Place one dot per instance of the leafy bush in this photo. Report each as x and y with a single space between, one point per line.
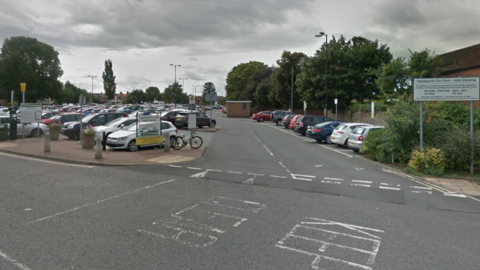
90 131
380 105
431 161
55 126
373 146
457 149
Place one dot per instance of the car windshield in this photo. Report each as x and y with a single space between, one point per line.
323 124
115 122
87 118
132 127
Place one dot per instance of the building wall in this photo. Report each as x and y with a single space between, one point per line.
237 110
472 72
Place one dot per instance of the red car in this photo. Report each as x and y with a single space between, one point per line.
294 120
262 116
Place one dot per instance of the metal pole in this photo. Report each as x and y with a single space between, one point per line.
81 116
175 88
336 111
326 77
12 100
291 102
421 126
471 137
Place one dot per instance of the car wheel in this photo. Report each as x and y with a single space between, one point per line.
328 139
212 124
132 147
346 143
261 119
356 150
35 131
277 122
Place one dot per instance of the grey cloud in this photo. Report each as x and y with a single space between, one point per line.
192 59
193 76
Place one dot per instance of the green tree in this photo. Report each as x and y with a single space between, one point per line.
173 93
238 77
151 93
136 96
283 75
159 97
71 93
109 84
27 60
208 87
262 85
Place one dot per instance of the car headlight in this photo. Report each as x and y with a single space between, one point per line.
122 138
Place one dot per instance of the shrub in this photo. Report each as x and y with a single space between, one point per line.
373 145
431 161
90 131
457 149
54 126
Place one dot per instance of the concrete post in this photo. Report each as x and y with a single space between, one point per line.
167 143
46 146
98 148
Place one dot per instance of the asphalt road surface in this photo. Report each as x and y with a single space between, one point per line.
259 198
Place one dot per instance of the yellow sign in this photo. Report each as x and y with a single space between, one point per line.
23 87
149 140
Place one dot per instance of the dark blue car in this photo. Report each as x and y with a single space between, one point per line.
323 131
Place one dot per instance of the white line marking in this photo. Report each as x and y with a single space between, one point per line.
452 194
181 231
276 176
174 166
390 188
386 184
249 181
13 261
257 138
362 181
284 167
268 150
193 168
335 150
417 187
359 169
304 175
348 226
330 182
255 174
97 202
211 170
296 177
234 172
422 191
199 175
360 185
47 161
335 179
319 165
411 178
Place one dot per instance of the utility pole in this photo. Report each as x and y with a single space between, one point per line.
175 85
92 86
321 34
291 94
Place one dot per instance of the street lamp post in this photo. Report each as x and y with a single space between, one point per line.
175 89
183 84
321 34
195 91
92 86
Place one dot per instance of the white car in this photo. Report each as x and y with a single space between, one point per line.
358 135
113 126
125 139
27 129
341 133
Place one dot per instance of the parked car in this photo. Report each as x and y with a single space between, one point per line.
131 109
358 135
286 120
29 129
115 125
323 131
310 120
62 118
72 129
262 116
125 139
294 120
47 115
203 120
279 115
170 116
341 133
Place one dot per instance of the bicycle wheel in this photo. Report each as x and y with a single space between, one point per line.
178 143
196 142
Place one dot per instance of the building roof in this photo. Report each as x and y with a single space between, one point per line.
239 101
462 59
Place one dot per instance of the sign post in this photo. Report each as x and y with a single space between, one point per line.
373 113
304 108
23 87
336 103
447 89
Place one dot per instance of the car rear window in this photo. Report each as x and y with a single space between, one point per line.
358 131
341 127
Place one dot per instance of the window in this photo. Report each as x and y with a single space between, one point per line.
111 117
244 106
165 126
100 120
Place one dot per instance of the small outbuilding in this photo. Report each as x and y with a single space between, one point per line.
238 108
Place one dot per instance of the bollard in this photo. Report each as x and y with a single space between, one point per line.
167 143
46 146
98 148
104 142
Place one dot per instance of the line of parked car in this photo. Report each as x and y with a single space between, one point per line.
321 128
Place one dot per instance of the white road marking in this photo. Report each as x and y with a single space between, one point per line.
387 184
193 168
417 187
212 170
200 175
319 165
453 194
335 179
255 174
411 178
176 237
302 177
257 138
268 150
390 188
362 181
13 261
330 182
47 161
359 169
284 167
97 202
422 191
335 150
361 185
174 166
276 176
249 181
234 172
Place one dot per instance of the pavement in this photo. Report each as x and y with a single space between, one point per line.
71 151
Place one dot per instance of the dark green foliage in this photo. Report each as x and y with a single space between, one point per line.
238 77
283 80
151 93
457 148
136 96
372 146
109 84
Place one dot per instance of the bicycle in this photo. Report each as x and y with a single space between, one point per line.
195 141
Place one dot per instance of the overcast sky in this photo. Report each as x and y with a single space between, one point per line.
208 38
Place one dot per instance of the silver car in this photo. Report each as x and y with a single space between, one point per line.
341 134
112 126
30 129
358 136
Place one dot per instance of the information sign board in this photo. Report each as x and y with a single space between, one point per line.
448 89
31 113
149 140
